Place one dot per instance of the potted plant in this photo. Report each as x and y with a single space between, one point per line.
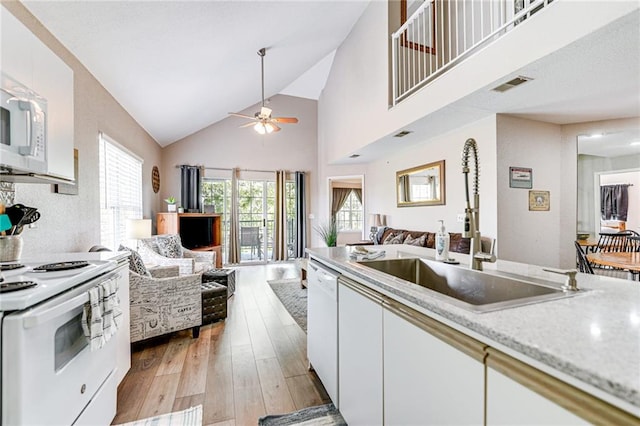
171 204
328 232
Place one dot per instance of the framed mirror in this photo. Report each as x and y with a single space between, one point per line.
421 186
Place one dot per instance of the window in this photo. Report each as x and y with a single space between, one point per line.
349 217
120 191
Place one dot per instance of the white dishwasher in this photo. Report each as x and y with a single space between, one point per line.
322 325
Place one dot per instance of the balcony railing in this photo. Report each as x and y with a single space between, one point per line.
442 33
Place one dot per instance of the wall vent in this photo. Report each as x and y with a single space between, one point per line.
401 134
511 84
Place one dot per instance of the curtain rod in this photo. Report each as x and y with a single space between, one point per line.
618 184
230 170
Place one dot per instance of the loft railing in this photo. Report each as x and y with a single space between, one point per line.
441 33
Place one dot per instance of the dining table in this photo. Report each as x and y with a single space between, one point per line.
629 261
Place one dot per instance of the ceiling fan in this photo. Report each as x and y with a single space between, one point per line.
263 122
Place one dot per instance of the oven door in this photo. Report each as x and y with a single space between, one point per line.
49 373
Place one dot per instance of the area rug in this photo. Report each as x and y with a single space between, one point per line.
293 297
189 417
322 415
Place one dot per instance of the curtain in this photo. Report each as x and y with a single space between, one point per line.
234 241
614 202
280 225
340 195
301 214
190 188
358 193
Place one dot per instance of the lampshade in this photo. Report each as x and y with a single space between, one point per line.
138 228
263 128
374 219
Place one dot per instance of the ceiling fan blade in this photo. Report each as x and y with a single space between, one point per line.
285 120
265 112
275 127
241 115
253 123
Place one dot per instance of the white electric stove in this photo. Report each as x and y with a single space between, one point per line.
49 373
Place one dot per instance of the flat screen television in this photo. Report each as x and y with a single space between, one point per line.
196 231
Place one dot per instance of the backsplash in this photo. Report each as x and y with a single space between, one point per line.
7 193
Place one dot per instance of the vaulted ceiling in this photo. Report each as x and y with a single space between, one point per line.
180 66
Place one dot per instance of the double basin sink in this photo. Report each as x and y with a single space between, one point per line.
472 290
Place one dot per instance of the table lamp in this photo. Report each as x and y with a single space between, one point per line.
376 222
138 229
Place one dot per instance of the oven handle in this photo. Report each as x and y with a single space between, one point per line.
44 314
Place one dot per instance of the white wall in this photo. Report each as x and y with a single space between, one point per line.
523 235
356 96
380 186
72 222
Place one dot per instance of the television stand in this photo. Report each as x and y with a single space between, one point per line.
198 231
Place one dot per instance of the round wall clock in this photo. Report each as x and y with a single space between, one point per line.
155 179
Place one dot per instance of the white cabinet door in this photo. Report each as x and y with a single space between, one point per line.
360 357
123 349
16 54
510 403
427 381
53 80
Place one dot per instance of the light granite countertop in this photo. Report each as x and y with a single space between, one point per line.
591 340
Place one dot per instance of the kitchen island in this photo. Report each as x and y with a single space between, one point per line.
560 355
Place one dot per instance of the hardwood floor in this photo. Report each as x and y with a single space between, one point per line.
250 365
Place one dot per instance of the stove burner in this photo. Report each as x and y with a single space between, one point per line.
10 267
16 285
61 266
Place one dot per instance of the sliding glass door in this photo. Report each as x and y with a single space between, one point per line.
256 216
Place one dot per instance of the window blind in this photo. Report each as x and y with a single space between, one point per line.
120 191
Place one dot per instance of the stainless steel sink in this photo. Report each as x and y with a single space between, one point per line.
473 290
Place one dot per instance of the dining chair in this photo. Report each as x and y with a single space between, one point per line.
583 264
615 242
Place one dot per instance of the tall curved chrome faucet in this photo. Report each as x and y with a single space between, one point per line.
472 214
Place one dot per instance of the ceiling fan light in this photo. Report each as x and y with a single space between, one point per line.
269 128
260 128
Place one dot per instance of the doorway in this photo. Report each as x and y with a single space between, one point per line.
346 207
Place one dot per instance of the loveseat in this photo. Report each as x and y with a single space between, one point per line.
457 243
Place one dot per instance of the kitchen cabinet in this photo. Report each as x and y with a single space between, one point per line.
520 394
359 354
123 349
430 371
28 61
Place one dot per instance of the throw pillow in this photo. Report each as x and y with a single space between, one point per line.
169 245
418 241
394 239
135 261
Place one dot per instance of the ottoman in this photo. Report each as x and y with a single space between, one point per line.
226 277
214 302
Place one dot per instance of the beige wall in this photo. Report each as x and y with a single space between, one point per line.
72 222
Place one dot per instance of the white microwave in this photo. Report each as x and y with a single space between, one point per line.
23 129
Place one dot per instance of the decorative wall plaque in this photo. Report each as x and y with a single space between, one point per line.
155 179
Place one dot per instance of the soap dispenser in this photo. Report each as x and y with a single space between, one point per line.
442 243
